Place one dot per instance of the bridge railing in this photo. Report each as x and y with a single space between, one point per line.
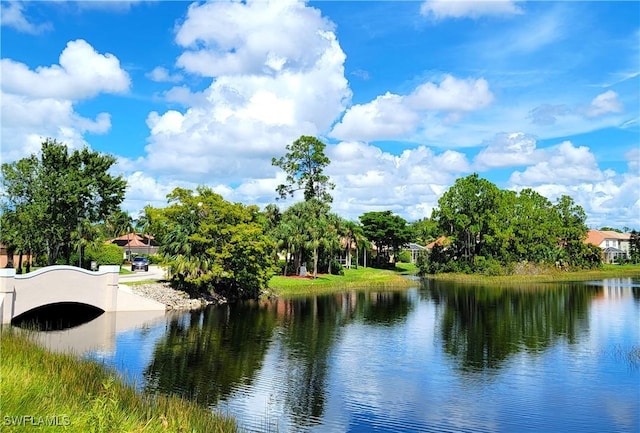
55 284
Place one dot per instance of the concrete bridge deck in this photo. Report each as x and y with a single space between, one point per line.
67 284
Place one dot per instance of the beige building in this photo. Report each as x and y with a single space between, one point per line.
5 258
614 245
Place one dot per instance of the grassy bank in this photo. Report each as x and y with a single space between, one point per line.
63 393
125 271
382 278
361 278
607 271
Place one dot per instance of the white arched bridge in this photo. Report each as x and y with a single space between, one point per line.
67 284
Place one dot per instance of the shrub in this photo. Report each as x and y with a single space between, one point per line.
336 267
422 263
435 262
155 259
404 256
488 266
290 268
105 254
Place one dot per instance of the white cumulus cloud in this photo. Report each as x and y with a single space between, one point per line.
162 75
13 15
564 163
410 184
442 9
428 107
269 89
387 116
251 38
609 198
452 94
39 103
509 150
606 102
82 73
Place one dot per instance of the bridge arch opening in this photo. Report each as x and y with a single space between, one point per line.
57 316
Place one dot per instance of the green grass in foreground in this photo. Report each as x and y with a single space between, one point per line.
352 278
84 396
552 276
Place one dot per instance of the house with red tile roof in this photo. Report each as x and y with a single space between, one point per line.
614 245
442 241
134 244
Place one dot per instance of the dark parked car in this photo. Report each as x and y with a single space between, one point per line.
140 263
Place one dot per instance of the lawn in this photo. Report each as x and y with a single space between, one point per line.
361 278
607 271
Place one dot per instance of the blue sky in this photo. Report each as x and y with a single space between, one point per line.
407 95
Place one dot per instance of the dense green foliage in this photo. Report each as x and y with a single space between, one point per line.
59 202
103 254
304 164
634 247
488 230
48 197
212 244
307 231
389 232
424 231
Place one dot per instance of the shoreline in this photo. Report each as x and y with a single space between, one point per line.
551 277
173 299
402 277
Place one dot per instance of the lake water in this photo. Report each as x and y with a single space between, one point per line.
438 357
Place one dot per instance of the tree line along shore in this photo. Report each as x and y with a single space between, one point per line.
60 206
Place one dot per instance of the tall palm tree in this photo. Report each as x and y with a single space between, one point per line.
119 223
273 216
317 225
354 237
333 235
143 225
283 235
296 220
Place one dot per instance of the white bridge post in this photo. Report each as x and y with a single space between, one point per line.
112 276
7 294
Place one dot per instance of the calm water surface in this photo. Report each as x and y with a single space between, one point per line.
438 357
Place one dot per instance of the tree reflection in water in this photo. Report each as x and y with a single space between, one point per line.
205 355
482 326
328 362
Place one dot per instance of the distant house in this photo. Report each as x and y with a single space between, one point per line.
442 241
614 245
134 244
414 249
6 259
348 253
